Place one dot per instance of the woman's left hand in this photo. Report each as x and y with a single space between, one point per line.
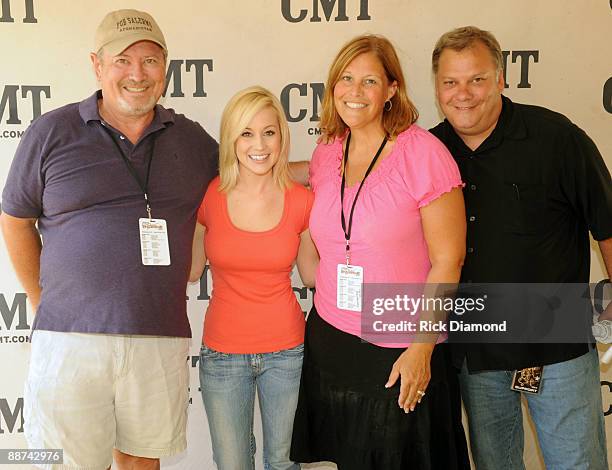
413 368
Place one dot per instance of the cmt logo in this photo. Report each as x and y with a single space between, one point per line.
174 76
523 57
607 92
5 9
9 415
309 94
294 15
31 93
600 295
605 383
17 310
204 294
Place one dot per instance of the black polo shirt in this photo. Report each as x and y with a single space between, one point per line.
534 189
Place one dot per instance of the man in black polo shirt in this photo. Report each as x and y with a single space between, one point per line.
535 186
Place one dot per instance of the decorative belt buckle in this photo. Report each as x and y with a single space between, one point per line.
527 380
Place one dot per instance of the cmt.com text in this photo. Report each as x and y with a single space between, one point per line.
11 134
14 339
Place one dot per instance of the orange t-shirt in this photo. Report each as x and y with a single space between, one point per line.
252 307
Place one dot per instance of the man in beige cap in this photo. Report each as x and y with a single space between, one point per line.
112 184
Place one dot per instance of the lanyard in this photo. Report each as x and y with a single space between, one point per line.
143 186
347 234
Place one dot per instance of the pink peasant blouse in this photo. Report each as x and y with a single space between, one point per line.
387 237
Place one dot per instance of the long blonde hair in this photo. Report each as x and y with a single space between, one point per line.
237 115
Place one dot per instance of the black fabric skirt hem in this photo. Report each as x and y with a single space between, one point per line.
345 414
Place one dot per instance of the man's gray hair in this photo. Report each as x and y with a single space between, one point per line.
461 38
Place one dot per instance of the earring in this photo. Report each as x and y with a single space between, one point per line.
388 105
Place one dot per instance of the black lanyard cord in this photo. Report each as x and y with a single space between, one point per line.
347 234
143 186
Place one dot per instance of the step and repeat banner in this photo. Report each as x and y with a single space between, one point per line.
557 54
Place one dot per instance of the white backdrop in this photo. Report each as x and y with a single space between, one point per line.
558 56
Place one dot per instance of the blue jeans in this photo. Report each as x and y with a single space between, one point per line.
567 414
228 383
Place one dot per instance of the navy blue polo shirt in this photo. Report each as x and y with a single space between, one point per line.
68 174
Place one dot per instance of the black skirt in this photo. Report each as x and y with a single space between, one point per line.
346 415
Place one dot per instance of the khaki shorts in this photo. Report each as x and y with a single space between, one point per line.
90 393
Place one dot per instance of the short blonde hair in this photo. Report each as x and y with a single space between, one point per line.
403 112
237 115
461 38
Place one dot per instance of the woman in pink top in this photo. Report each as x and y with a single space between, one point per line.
252 225
388 209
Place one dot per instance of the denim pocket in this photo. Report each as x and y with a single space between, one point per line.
296 351
208 353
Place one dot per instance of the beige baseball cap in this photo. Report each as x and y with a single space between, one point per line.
122 28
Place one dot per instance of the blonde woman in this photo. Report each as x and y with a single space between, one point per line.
252 226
